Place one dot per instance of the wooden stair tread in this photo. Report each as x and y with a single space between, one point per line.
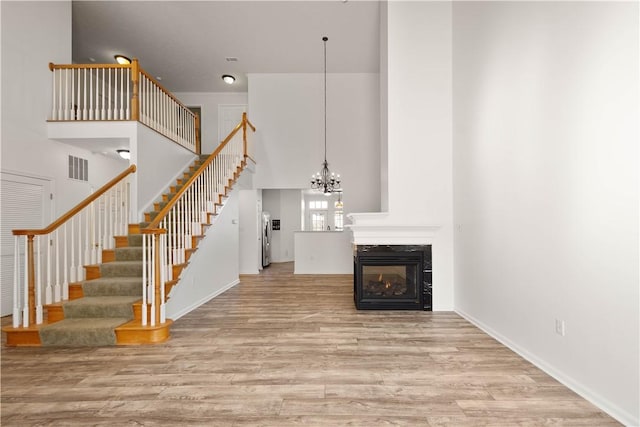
134 333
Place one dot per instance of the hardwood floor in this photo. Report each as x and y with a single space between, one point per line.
280 350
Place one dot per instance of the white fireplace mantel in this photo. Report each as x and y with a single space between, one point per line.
377 228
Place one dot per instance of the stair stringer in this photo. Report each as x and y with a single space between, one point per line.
214 267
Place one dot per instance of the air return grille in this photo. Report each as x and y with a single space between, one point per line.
78 168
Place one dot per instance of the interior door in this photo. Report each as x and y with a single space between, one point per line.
198 112
25 202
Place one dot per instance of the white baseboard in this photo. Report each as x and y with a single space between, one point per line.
604 404
189 309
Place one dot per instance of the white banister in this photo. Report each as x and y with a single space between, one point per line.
16 283
145 263
57 291
105 91
39 316
66 245
171 233
25 302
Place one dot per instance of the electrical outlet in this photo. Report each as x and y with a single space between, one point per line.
560 327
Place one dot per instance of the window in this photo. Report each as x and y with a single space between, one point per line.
338 220
318 204
318 221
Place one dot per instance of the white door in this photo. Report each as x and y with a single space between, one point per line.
25 202
228 118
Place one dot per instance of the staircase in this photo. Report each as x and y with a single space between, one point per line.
100 310
166 198
105 309
110 307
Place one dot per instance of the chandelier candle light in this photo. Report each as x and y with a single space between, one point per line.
325 180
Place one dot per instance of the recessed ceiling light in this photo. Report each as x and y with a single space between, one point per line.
124 154
123 60
228 79
158 78
92 59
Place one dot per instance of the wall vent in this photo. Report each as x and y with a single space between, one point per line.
78 168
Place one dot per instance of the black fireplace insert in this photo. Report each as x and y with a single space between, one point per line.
392 277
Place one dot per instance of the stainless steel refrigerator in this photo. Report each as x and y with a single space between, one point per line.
266 239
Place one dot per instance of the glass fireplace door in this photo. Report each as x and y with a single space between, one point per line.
389 281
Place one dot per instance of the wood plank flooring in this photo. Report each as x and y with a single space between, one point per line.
283 350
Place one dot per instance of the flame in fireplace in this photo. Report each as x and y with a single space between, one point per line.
387 284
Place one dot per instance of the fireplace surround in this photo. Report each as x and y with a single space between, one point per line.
392 277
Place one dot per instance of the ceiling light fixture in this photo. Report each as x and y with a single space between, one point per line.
228 79
325 180
122 60
124 154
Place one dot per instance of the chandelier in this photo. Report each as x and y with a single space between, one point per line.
325 180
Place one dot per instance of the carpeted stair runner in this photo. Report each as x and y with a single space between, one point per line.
81 332
107 303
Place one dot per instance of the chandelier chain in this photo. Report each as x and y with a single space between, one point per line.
325 180
324 39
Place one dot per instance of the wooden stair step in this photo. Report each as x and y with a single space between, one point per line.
23 337
133 333
55 312
109 255
92 272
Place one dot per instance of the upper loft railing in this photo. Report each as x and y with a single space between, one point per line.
102 92
55 256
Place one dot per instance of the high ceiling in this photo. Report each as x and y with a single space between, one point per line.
186 43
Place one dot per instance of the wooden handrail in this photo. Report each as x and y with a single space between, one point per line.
253 128
64 218
169 94
153 225
53 66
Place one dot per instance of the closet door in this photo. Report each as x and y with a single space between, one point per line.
25 202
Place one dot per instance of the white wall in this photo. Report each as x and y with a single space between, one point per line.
334 257
384 102
287 110
209 102
284 205
160 162
213 268
250 246
546 187
34 34
420 190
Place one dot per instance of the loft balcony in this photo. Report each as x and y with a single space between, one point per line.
105 103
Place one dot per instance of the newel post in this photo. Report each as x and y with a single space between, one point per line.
197 128
135 79
158 273
244 134
31 280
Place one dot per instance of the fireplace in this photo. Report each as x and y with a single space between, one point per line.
392 277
